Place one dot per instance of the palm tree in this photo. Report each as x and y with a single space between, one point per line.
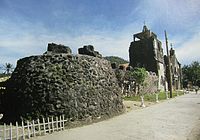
8 67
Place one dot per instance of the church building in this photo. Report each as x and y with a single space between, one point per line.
146 51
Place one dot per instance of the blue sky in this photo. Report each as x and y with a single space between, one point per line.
27 26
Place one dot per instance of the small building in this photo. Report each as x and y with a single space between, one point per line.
146 51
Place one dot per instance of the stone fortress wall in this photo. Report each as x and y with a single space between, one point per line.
79 86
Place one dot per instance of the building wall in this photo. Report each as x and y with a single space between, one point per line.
161 76
160 63
146 51
176 71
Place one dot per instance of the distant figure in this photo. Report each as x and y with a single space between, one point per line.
1 116
196 89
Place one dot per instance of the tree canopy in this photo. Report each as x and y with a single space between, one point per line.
139 74
115 59
7 69
191 74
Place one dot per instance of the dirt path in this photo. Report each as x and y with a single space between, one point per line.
175 119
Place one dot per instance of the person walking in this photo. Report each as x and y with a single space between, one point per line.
196 89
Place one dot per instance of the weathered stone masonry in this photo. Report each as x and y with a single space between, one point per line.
79 86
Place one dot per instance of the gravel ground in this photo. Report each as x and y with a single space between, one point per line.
174 119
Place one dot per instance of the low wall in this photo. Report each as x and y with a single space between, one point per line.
79 86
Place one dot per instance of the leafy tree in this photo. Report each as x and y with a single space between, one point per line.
139 74
115 59
9 68
191 74
147 83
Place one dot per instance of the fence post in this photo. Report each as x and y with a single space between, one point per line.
44 125
52 124
56 123
38 121
60 123
49 125
10 131
29 135
4 130
17 134
63 118
23 135
33 128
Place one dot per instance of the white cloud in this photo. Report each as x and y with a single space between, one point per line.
21 43
190 50
175 16
30 39
22 46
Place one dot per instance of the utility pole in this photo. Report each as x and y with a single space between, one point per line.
169 65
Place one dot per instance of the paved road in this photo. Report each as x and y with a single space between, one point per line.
175 119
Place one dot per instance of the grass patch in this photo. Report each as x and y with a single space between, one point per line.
152 97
